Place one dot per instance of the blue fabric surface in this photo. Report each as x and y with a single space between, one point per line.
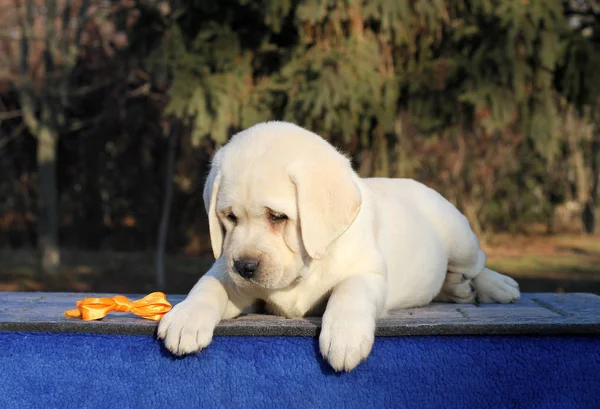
47 370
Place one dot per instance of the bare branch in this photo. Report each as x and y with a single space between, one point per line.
66 13
26 23
81 20
144 89
26 99
10 115
14 135
73 48
50 48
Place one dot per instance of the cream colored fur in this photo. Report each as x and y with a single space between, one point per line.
350 248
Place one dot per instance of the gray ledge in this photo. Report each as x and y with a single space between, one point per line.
577 313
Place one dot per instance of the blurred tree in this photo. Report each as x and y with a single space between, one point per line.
578 79
52 35
174 133
366 74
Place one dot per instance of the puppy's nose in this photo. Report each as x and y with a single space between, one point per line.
246 268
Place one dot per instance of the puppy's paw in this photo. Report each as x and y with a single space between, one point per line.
188 327
346 340
493 287
457 288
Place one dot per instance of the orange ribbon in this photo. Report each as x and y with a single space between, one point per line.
152 307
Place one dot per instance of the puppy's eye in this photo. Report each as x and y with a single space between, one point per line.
277 217
231 217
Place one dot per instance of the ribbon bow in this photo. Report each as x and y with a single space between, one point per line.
152 307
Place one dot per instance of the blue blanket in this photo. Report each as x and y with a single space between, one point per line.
51 370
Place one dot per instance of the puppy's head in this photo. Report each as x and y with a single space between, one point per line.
277 197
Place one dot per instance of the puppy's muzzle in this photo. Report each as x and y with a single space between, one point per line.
246 267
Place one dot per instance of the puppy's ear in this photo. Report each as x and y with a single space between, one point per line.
211 189
328 202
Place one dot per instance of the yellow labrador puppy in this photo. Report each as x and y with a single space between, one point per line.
292 225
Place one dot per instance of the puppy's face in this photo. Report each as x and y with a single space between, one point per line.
262 241
277 196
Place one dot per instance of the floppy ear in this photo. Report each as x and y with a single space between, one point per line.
328 202
211 188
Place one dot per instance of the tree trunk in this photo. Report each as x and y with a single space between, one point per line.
91 229
166 208
48 244
589 211
577 155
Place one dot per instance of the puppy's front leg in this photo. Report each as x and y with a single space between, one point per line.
348 326
189 326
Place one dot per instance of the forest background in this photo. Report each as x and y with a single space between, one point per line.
110 111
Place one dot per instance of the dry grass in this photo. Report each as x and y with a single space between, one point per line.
549 263
110 272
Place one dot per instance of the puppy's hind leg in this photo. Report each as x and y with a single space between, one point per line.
457 288
466 270
466 260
